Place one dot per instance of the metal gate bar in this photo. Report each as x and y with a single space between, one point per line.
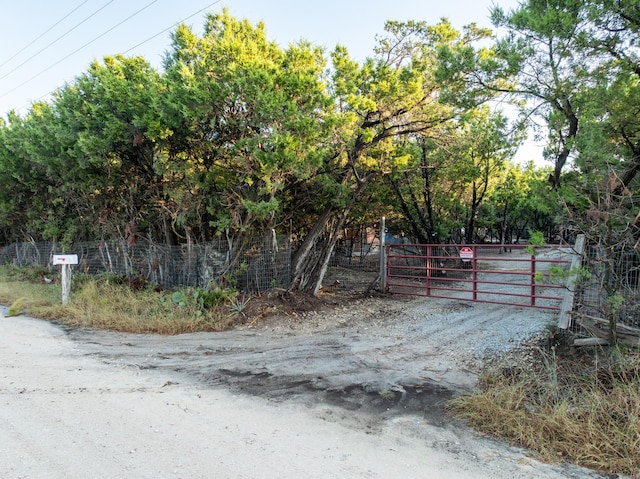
496 274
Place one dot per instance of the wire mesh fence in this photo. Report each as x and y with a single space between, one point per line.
610 285
355 262
251 266
353 272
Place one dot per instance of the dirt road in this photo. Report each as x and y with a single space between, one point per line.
353 393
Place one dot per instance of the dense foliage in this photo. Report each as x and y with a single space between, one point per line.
239 136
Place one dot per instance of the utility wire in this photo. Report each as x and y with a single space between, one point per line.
172 26
56 40
78 49
125 52
42 34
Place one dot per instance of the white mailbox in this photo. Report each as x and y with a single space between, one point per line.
65 259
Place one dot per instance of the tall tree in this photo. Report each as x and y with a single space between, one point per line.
397 93
111 169
451 173
244 119
539 50
613 130
480 161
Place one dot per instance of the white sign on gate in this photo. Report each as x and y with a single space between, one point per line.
466 254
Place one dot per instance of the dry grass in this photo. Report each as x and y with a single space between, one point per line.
583 411
33 295
119 308
104 305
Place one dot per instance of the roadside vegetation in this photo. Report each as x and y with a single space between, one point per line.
564 405
237 137
581 406
110 302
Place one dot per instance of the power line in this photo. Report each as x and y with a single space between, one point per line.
125 52
78 49
56 40
42 34
172 26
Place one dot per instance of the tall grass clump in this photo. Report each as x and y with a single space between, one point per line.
588 414
108 302
119 308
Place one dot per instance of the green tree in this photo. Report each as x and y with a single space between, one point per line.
396 94
451 172
523 202
35 203
480 160
113 168
539 51
244 119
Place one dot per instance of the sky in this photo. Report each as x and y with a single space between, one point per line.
45 44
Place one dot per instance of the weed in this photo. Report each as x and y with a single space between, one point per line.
589 415
17 307
536 239
387 395
238 306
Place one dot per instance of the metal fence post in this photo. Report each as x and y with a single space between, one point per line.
429 253
533 280
474 265
383 258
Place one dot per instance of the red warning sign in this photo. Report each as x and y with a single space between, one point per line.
466 254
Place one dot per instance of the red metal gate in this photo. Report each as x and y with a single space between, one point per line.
512 274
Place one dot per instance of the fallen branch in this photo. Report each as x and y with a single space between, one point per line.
625 328
599 328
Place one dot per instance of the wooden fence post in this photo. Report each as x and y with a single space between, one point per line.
564 321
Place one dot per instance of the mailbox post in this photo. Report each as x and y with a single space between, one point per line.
65 260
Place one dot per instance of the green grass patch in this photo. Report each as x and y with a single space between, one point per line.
586 411
109 303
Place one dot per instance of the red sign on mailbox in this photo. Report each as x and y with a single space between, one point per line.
65 259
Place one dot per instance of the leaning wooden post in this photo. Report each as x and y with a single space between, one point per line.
564 321
65 260
383 256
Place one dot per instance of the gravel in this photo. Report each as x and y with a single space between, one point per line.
354 391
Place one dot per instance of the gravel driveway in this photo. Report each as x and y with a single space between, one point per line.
355 392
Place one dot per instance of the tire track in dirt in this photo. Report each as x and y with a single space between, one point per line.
376 355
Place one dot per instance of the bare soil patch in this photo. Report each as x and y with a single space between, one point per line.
367 353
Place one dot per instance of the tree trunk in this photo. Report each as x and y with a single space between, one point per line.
303 264
503 226
309 266
632 169
471 222
426 192
412 215
562 157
